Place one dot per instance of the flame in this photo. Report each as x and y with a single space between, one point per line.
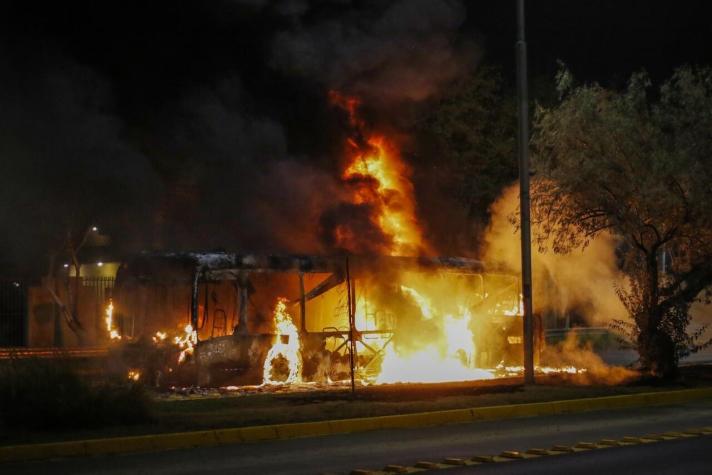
426 366
134 375
159 337
423 302
518 370
515 309
361 316
448 358
186 342
109 320
377 176
289 349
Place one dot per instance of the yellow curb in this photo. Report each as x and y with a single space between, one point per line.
217 437
229 436
290 431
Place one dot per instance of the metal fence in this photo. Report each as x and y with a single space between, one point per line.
102 290
102 286
14 307
13 313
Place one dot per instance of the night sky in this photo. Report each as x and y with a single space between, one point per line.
206 125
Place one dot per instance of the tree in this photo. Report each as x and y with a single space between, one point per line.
473 130
636 163
72 243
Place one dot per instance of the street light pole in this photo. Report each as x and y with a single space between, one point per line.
524 205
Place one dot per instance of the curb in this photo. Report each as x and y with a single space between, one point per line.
217 437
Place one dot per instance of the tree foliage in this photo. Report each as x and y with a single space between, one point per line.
474 128
636 163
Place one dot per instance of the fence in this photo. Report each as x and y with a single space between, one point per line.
28 315
102 287
13 313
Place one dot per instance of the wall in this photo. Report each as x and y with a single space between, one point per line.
46 326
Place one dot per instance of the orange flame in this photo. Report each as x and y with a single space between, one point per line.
109 320
289 350
378 177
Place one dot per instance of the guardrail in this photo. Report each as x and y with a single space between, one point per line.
52 352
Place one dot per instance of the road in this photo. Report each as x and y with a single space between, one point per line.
374 450
673 457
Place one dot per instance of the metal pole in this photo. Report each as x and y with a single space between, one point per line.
352 343
302 303
243 297
524 205
194 301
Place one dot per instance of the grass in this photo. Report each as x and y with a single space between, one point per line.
49 396
174 415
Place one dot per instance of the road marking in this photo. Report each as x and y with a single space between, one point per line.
586 445
562 448
609 443
428 465
539 452
510 455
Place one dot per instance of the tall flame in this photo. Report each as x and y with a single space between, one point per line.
290 349
379 178
109 320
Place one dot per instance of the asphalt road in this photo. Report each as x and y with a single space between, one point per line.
673 457
374 450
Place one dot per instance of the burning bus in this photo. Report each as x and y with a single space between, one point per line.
267 319
367 312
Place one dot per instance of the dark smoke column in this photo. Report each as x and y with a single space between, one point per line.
523 149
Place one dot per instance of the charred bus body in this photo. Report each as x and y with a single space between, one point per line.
228 300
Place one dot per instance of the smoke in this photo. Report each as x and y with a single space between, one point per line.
209 145
65 159
581 281
242 188
386 53
571 353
